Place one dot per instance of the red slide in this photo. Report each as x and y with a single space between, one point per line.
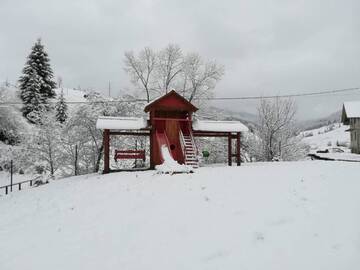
163 141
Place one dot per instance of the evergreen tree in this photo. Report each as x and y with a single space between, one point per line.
34 102
38 62
61 108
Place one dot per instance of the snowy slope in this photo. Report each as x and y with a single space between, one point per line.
300 215
322 138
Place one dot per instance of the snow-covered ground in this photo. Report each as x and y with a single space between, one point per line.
299 215
321 138
72 95
5 178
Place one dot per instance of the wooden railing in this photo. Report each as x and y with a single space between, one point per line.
193 141
182 142
9 188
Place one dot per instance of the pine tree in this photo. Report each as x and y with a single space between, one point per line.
34 102
61 108
38 62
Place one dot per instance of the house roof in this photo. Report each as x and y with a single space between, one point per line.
350 109
219 126
171 101
122 123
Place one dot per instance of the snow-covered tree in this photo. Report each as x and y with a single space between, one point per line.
38 78
199 77
34 102
61 108
157 72
141 69
277 131
170 64
44 144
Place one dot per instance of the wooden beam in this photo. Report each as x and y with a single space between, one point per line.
229 151
106 143
129 133
210 134
238 160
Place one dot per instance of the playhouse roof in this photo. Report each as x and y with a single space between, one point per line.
351 109
124 123
219 126
171 101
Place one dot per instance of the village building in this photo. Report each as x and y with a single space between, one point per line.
351 116
170 128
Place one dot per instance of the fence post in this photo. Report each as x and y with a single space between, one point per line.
76 158
11 175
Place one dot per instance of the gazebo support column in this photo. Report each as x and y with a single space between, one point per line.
229 150
238 160
106 143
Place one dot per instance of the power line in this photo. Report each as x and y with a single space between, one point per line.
316 93
326 92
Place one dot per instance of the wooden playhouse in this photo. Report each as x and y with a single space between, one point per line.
170 127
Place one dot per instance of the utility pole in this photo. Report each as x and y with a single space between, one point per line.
109 88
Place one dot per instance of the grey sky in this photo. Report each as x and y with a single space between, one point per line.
267 47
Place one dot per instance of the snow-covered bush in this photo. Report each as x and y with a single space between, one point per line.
12 125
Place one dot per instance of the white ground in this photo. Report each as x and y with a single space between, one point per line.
300 215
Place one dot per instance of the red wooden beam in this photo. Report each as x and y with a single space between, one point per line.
106 143
129 133
238 160
165 119
229 151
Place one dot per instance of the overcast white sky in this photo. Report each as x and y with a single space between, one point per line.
267 47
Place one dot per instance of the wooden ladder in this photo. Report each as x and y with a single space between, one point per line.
190 152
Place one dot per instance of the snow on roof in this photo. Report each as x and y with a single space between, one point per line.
352 109
221 126
125 123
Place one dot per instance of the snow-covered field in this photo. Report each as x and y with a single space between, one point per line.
300 215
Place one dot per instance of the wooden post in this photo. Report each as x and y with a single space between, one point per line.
238 160
106 143
229 150
11 175
152 135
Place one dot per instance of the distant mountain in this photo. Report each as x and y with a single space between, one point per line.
215 113
320 122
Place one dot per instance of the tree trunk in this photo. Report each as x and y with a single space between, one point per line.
100 153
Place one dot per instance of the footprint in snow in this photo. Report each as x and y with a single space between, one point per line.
259 237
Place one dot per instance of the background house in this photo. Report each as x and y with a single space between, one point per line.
351 116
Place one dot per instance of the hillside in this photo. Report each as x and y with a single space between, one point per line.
282 215
320 122
327 136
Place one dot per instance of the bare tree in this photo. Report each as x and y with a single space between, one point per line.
157 72
169 66
199 77
277 131
141 69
